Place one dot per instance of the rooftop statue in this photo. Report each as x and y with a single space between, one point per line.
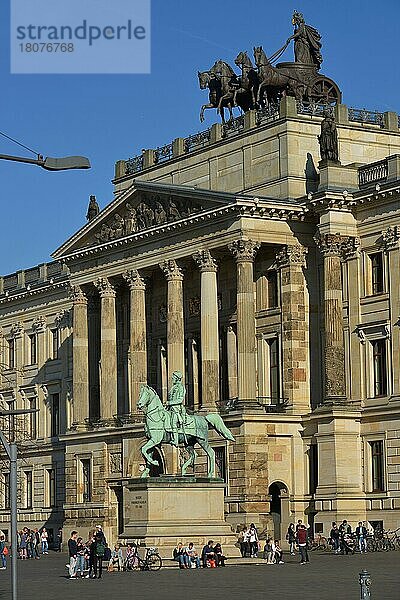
93 208
173 425
328 140
307 42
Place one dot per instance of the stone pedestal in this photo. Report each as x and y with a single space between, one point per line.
162 511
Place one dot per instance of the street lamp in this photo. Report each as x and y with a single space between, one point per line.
50 164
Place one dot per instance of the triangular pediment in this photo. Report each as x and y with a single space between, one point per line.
143 206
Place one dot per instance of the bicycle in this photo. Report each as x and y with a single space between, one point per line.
152 561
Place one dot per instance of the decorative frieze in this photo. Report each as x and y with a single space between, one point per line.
106 290
292 254
205 261
171 270
244 250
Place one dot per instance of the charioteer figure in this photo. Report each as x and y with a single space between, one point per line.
175 404
307 42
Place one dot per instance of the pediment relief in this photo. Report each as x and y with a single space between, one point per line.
149 210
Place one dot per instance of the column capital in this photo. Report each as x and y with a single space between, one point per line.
17 330
134 280
351 247
390 238
244 250
205 261
76 294
106 290
336 244
292 254
171 270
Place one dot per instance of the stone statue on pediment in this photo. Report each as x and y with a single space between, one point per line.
160 215
145 216
130 219
117 227
104 234
173 212
93 208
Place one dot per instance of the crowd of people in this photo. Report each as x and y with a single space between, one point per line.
211 556
31 544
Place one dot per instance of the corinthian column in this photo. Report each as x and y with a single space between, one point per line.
244 252
331 246
209 330
80 364
175 326
295 336
108 350
138 349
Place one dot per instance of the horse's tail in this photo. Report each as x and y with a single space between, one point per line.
215 420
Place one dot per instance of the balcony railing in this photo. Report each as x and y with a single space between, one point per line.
376 172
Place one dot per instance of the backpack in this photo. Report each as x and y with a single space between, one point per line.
100 549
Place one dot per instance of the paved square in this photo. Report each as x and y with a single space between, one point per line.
326 577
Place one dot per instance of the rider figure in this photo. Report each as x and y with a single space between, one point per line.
176 397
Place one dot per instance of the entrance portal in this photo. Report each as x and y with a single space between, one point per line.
278 495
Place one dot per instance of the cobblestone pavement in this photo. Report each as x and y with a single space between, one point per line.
326 577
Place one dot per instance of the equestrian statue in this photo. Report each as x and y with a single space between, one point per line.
171 424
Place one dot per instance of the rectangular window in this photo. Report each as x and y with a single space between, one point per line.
377 459
55 415
32 419
55 344
377 273
274 369
33 348
313 468
272 279
220 462
86 480
11 353
28 489
51 487
6 481
379 367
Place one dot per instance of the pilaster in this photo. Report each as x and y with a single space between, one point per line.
175 322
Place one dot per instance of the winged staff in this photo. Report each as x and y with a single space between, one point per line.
262 83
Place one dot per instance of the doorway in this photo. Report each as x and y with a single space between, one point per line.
278 504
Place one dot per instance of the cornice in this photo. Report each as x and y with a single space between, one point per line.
12 296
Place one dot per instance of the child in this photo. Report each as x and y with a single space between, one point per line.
278 553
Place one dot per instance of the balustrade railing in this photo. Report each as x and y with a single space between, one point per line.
236 126
370 117
272 404
376 172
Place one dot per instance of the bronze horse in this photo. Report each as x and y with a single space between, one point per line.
248 82
218 81
273 82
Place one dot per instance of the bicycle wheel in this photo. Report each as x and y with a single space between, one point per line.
154 562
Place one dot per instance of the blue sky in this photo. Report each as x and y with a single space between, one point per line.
109 117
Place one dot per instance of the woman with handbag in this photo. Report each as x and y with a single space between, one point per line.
291 538
3 552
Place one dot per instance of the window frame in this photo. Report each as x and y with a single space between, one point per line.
33 349
28 489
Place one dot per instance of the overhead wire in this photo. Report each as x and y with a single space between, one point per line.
19 143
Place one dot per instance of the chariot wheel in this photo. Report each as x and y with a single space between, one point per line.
325 91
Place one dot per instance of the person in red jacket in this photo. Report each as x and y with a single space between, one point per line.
302 536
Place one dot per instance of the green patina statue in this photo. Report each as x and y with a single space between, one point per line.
173 425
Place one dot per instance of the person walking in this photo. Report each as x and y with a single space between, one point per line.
344 531
3 552
361 533
253 539
23 545
291 538
59 539
73 552
44 538
302 543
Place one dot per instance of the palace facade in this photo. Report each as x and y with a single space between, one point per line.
270 280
